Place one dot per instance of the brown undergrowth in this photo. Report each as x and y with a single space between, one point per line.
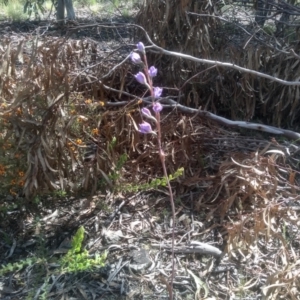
203 29
63 128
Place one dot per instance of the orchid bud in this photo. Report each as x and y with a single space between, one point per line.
141 47
157 92
141 78
146 112
157 107
152 71
135 57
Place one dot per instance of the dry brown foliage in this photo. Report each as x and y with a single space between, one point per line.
194 27
52 108
247 187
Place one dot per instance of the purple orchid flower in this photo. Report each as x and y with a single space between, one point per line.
152 71
157 92
145 127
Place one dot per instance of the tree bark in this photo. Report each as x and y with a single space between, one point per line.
60 14
70 9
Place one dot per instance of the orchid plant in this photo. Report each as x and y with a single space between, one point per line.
146 78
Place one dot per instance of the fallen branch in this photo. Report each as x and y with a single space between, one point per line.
254 126
192 247
208 115
217 63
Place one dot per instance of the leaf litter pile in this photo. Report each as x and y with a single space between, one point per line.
69 113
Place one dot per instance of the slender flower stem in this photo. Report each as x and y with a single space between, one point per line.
149 79
173 224
145 127
163 163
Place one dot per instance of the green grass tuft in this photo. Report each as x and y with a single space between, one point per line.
14 11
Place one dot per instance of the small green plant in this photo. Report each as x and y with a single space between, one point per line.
112 144
121 161
19 265
77 259
44 290
155 183
116 173
60 193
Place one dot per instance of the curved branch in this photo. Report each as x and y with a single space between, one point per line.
215 62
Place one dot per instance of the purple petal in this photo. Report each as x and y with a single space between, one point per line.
146 112
135 57
157 92
141 47
157 107
141 78
152 71
145 127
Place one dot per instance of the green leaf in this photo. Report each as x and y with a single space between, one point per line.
199 285
77 240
